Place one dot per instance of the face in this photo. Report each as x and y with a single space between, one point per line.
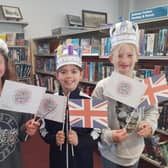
124 58
2 66
69 77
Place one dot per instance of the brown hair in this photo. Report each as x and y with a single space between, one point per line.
10 70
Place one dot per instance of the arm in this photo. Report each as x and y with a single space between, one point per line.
109 136
149 124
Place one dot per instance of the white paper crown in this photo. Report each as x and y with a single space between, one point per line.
4 47
68 56
124 32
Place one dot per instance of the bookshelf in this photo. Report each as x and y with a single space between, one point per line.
153 50
88 40
13 33
156 56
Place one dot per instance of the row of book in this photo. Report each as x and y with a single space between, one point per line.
156 150
95 71
84 46
49 82
23 70
18 54
153 43
46 65
157 70
13 38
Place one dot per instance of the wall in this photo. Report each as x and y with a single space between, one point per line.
43 16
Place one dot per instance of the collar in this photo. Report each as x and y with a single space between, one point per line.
74 94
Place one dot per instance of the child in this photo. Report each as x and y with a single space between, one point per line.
69 73
13 126
118 147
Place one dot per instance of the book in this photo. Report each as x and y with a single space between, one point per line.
105 47
20 39
141 42
157 69
161 41
95 46
3 36
150 44
86 46
10 39
43 48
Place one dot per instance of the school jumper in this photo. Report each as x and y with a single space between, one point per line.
83 157
125 153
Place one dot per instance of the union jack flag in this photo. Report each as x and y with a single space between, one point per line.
156 92
88 113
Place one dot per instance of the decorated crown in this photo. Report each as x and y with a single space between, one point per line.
4 47
66 55
124 32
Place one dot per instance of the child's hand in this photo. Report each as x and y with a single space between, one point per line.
119 135
73 137
144 129
60 137
31 127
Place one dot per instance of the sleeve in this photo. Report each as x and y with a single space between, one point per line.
106 136
98 91
151 117
48 130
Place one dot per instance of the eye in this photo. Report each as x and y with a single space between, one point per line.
62 72
130 55
74 71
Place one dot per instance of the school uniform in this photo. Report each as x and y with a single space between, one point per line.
83 152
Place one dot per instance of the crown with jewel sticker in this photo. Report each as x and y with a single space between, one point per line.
124 32
4 47
66 55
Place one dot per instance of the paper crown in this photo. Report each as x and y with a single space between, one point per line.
4 47
66 55
124 32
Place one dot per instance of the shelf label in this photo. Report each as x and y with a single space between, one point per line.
148 14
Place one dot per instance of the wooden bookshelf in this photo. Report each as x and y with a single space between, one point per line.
90 33
19 54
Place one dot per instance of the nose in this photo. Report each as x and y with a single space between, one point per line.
124 58
68 74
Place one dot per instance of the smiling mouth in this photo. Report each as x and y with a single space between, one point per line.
124 66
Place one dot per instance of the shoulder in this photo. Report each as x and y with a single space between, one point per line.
103 81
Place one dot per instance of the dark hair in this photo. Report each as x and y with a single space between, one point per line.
10 70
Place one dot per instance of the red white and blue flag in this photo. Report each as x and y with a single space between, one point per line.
156 92
88 113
